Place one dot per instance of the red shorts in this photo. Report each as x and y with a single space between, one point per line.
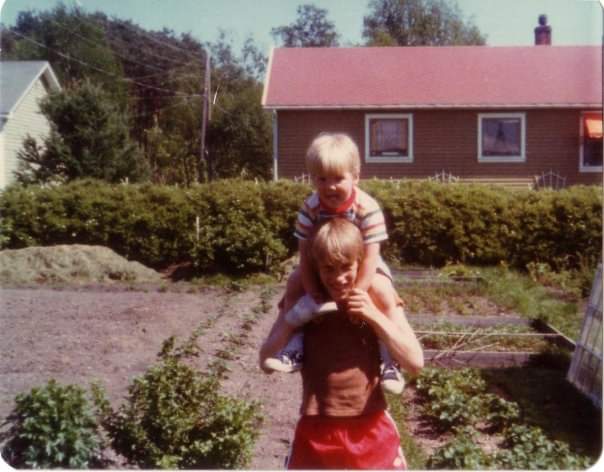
361 442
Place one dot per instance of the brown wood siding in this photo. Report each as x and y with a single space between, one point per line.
443 140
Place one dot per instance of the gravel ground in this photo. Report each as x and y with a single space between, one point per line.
111 334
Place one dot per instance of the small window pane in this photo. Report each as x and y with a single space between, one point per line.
388 137
501 136
592 143
592 152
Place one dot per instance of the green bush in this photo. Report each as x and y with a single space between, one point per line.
526 447
236 233
562 228
455 397
52 427
457 400
245 226
146 223
432 223
461 453
174 417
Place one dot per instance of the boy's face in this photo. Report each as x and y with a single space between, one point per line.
335 188
338 279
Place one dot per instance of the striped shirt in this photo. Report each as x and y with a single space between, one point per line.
363 211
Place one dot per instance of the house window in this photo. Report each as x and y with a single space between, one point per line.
501 137
388 137
591 142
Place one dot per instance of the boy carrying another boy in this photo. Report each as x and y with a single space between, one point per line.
344 423
334 164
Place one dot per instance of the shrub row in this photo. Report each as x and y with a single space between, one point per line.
229 225
241 226
432 224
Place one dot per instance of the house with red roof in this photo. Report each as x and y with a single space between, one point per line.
479 113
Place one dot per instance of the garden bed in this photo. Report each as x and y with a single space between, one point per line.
502 418
112 332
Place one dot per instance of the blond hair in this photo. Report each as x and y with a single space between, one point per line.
337 241
333 153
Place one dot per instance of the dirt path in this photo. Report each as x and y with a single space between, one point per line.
82 335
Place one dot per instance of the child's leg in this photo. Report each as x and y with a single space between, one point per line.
391 377
289 359
293 291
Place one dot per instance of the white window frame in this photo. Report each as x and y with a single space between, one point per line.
503 159
583 168
389 159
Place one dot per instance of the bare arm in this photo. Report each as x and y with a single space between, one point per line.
389 323
368 266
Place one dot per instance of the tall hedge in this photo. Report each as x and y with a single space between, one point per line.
243 226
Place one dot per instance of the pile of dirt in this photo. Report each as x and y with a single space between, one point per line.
70 263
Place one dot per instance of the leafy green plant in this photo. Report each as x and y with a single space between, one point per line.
458 400
53 426
526 447
175 417
454 396
500 413
460 453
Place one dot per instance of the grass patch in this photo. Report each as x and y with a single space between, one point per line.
520 293
236 283
547 400
416 459
438 298
559 306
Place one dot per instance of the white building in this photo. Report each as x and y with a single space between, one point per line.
22 85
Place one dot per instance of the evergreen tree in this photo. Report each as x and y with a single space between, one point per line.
88 138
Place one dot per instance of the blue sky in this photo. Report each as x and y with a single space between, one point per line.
505 22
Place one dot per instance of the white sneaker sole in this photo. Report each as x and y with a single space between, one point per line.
278 366
393 386
327 307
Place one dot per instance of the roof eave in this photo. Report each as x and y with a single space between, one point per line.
432 106
268 77
45 71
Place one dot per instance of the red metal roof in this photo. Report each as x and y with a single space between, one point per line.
445 77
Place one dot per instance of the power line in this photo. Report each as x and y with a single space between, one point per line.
139 30
157 41
157 56
163 97
140 115
94 43
124 79
88 40
166 72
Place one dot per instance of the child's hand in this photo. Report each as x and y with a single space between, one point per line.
359 305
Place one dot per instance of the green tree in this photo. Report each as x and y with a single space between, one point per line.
88 138
418 23
239 137
75 46
311 29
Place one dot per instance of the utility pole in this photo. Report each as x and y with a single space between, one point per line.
204 122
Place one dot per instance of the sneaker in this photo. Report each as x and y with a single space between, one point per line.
392 380
285 361
326 307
